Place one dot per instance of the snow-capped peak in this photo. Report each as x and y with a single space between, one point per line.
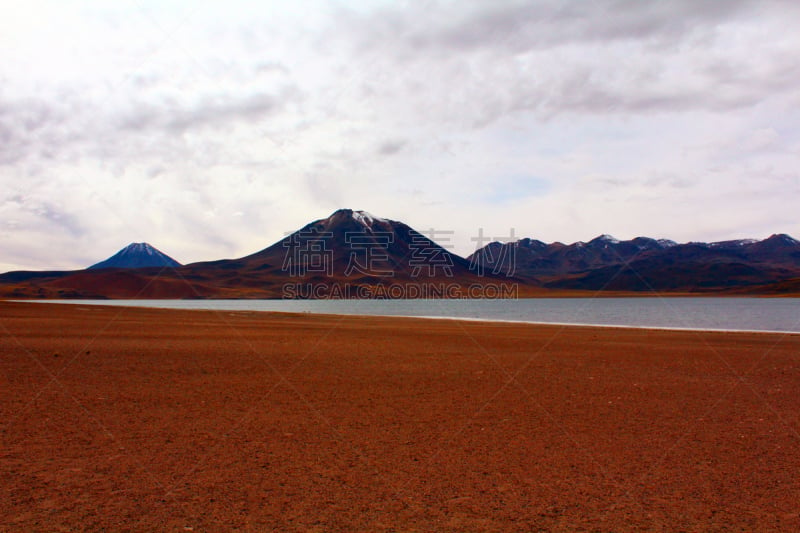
139 248
786 238
608 238
666 243
366 219
137 255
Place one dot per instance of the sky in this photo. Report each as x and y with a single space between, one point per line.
211 129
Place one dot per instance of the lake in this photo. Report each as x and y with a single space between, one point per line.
730 314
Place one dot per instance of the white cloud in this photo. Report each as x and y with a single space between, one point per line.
211 129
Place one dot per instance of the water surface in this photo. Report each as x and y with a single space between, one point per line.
737 314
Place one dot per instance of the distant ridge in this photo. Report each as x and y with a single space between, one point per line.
643 264
353 254
137 255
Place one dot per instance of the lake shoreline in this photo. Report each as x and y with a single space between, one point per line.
678 314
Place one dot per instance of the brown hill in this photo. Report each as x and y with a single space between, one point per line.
350 254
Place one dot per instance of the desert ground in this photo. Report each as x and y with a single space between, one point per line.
125 419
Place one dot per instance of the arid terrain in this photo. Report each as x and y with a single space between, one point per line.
123 419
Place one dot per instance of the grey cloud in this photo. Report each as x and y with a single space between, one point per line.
271 67
218 112
67 126
391 147
658 179
36 214
61 218
520 26
208 112
579 92
475 62
21 123
42 126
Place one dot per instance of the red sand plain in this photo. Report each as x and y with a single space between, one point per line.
124 419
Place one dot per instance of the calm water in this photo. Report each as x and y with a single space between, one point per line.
741 314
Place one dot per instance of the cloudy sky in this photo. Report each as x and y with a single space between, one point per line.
211 128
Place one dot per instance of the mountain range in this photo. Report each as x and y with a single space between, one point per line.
643 264
352 254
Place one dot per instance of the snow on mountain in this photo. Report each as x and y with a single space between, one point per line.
531 243
607 239
785 239
137 255
733 243
350 244
358 247
366 219
557 259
